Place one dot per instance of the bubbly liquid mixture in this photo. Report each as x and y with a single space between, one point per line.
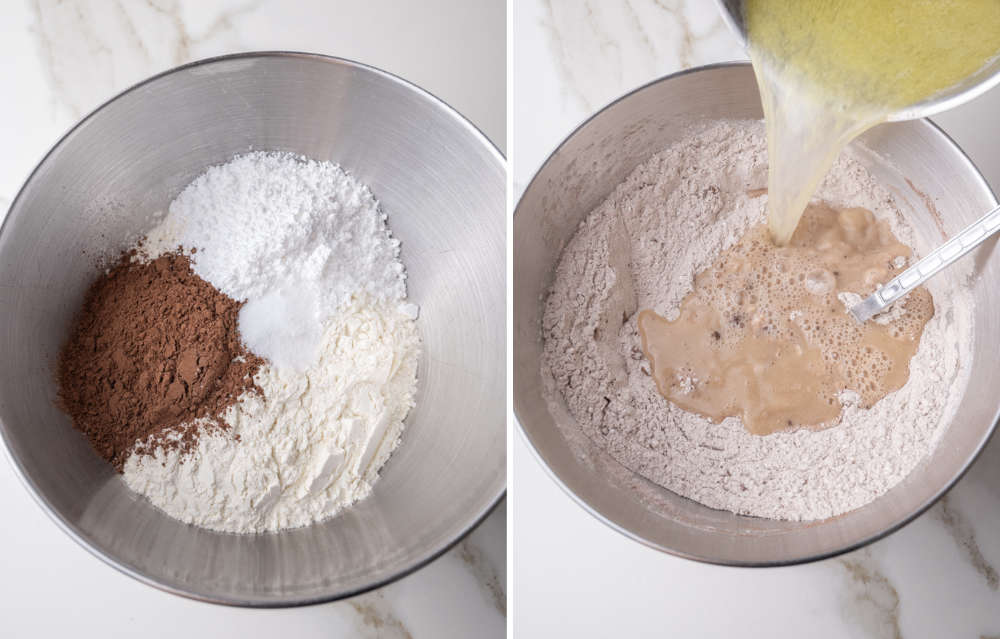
764 337
829 70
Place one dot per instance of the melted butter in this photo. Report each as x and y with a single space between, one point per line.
830 70
764 337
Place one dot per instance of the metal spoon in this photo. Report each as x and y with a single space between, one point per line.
933 263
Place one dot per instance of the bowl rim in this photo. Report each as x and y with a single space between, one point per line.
250 602
583 503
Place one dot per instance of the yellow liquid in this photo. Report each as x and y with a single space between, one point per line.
830 69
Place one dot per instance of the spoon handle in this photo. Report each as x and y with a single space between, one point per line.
934 262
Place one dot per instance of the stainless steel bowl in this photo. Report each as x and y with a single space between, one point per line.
971 87
583 171
442 185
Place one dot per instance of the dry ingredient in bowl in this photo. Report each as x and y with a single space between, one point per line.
640 249
304 275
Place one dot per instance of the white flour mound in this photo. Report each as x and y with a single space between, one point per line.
292 237
640 249
313 444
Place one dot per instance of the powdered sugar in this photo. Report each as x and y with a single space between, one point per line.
640 249
294 237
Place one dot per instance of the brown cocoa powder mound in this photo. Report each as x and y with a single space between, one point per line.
153 348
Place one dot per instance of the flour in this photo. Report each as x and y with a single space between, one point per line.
293 237
310 446
640 249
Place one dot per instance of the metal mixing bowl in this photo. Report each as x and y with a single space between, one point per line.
442 185
971 87
583 171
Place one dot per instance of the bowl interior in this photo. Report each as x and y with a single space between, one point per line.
584 170
443 188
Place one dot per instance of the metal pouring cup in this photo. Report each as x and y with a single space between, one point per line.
971 87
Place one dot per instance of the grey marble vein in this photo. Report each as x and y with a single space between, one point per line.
475 559
224 22
605 41
686 52
871 601
89 51
640 30
131 31
47 50
600 49
375 620
561 57
960 529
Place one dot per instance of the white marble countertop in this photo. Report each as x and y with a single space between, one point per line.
59 60
573 576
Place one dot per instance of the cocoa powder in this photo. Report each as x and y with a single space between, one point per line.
153 349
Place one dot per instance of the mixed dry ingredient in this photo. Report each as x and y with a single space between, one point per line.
257 349
670 220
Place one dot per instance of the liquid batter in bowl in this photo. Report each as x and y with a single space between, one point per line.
764 336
